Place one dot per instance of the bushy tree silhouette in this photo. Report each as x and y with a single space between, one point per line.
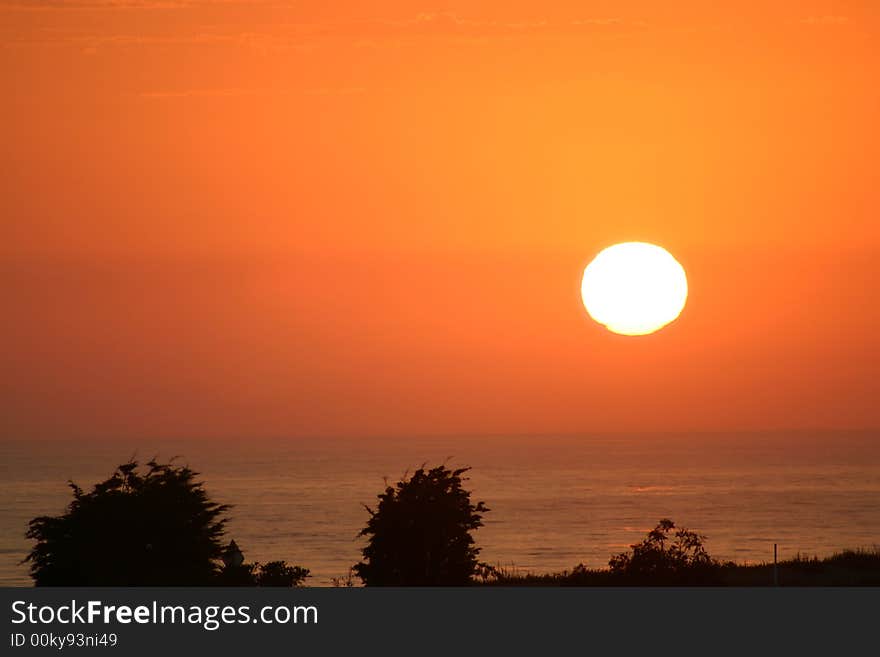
420 533
151 528
667 555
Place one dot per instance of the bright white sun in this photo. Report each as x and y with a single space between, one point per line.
634 288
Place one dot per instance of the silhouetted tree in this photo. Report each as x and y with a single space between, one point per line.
420 533
667 555
156 528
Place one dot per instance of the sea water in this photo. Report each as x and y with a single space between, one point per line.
555 501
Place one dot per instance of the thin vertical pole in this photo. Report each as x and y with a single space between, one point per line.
775 568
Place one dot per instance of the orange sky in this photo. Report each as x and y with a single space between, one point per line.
224 219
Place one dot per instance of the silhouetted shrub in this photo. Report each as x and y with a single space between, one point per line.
344 582
157 528
666 556
273 573
420 533
236 572
279 573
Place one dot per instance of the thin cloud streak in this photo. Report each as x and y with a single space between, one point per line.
233 92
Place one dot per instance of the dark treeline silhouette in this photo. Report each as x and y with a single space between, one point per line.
159 528
152 528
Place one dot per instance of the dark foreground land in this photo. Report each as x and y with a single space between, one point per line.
847 568
157 526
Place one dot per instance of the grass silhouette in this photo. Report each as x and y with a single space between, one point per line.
860 567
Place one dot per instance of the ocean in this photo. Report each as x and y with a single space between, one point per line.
555 501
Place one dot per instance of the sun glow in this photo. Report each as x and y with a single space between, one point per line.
634 288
